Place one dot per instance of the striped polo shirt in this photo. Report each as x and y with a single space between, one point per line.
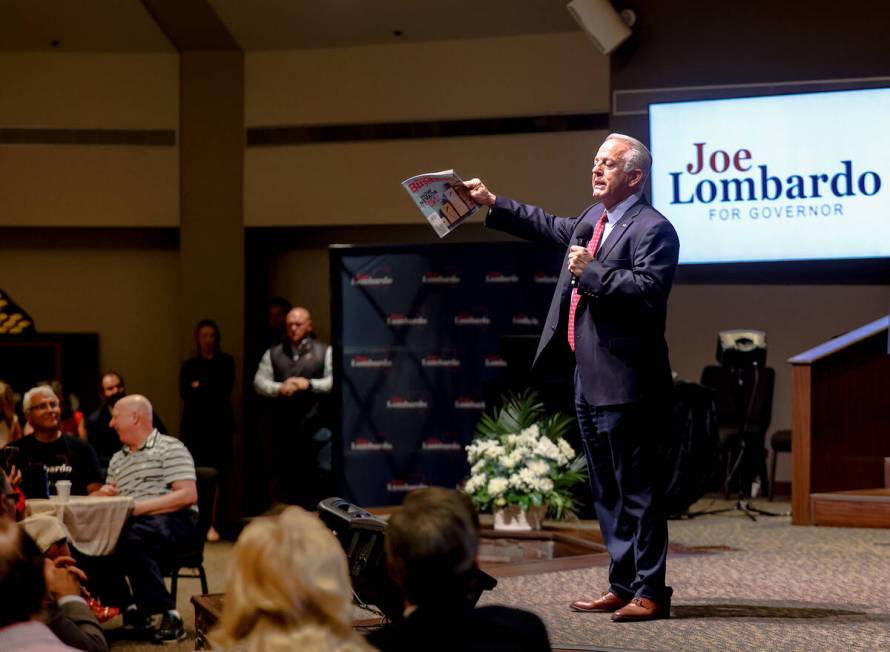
151 470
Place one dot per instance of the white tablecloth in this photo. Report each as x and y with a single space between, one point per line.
94 522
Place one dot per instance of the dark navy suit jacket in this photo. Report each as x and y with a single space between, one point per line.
620 350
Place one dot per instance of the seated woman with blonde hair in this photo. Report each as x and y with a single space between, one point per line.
288 589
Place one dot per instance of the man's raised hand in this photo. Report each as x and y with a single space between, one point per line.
479 193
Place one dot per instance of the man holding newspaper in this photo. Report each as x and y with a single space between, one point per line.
610 308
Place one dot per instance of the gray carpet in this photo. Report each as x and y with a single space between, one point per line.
216 557
778 588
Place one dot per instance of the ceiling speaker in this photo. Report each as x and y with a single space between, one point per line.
601 22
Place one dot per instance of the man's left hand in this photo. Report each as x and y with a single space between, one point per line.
578 259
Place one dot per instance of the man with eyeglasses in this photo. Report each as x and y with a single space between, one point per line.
609 309
49 455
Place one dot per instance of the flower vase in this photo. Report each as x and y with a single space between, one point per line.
513 518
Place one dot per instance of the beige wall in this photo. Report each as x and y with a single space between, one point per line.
77 185
89 186
128 296
527 75
89 90
359 183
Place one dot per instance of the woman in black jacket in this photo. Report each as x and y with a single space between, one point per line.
205 385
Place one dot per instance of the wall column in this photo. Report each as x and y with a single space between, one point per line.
212 208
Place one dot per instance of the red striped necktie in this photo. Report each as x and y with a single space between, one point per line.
591 247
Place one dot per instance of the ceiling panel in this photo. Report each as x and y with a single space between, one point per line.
126 25
79 26
299 24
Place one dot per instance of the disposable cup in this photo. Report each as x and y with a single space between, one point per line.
63 490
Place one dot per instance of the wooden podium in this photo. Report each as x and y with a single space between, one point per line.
840 425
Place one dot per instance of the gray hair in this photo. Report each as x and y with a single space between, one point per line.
637 157
34 391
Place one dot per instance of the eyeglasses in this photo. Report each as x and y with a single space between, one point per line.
13 496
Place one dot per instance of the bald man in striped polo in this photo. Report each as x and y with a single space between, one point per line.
158 472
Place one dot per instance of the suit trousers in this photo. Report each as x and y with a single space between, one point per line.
622 445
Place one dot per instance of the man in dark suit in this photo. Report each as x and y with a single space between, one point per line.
610 308
431 545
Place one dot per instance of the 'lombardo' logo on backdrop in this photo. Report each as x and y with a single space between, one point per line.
543 277
402 403
500 277
369 362
371 279
436 444
785 177
468 319
365 444
495 361
401 486
467 403
397 319
440 279
525 320
439 361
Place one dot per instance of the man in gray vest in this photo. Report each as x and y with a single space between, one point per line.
296 376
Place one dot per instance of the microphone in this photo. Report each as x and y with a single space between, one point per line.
583 234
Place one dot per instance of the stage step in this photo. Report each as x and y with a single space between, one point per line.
860 508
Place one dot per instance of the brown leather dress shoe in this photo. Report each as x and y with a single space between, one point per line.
642 609
605 603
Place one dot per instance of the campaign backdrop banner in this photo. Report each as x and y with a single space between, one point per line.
417 333
788 177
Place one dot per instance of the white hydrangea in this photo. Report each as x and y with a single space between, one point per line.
475 483
566 449
533 430
494 450
539 468
529 437
521 462
549 450
512 459
497 486
528 478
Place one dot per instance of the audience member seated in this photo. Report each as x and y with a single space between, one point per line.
49 455
97 427
68 614
158 472
431 546
24 579
72 418
10 429
288 589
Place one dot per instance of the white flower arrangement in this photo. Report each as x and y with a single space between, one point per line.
519 456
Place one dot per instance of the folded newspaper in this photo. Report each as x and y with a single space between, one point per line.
442 199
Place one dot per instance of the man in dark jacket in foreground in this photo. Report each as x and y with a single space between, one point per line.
431 547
